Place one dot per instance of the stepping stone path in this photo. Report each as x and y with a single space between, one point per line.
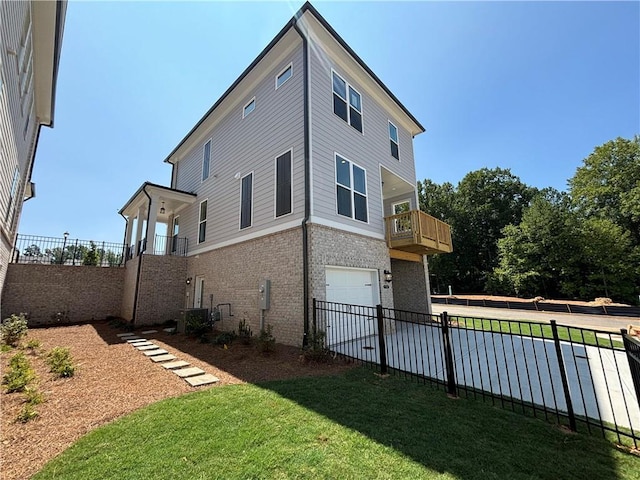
194 376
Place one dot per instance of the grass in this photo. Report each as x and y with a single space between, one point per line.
541 330
355 425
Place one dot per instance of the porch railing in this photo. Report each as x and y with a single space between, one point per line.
36 249
418 232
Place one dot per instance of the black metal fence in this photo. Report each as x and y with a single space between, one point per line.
573 376
67 251
163 245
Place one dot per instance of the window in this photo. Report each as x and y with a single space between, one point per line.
206 160
283 76
351 189
202 224
12 195
249 107
246 200
351 112
393 141
283 184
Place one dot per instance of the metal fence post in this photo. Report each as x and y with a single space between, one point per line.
381 345
314 319
563 376
632 350
448 355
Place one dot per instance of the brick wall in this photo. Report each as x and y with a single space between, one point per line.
129 288
80 293
161 291
329 246
410 288
232 275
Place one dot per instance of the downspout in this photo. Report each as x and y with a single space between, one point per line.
135 295
307 185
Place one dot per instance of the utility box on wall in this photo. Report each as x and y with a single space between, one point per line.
264 294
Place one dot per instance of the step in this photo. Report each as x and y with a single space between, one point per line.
146 343
163 358
158 351
205 379
144 348
135 339
128 334
188 372
146 332
177 364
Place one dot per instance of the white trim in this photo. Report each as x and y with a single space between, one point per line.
249 236
200 221
351 188
253 100
240 227
199 285
290 66
393 205
275 184
347 85
173 224
347 228
204 146
397 142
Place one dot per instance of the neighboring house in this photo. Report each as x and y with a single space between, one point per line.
30 43
301 174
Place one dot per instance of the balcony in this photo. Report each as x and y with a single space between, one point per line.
418 233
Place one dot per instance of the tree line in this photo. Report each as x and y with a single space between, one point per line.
513 239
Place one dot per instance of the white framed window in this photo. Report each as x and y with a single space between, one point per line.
347 102
284 75
202 221
351 190
283 190
249 107
246 201
393 141
206 160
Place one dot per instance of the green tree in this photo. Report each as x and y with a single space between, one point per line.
92 256
607 185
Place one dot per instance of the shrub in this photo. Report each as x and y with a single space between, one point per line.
27 413
244 332
316 351
33 396
19 375
196 323
60 362
225 338
34 344
266 342
13 329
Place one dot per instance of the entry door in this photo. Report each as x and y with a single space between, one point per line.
354 287
197 300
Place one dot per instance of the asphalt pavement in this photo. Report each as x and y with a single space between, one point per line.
598 322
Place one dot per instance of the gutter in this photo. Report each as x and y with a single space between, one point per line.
135 295
307 183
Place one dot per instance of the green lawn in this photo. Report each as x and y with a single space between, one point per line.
355 425
542 330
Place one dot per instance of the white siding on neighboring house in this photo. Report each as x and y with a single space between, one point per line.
370 149
251 144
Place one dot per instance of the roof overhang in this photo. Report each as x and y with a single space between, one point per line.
174 201
47 29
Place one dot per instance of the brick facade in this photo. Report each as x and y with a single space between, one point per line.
78 293
232 275
410 286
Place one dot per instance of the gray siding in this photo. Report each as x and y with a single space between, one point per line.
369 149
17 123
244 145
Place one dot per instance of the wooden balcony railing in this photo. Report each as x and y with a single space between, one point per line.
417 232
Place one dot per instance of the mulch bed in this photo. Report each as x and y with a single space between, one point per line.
113 379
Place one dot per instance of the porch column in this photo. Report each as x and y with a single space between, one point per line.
139 228
151 224
127 234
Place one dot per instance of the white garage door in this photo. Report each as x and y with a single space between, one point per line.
351 286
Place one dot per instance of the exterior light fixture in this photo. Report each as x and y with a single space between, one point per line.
189 281
387 276
162 210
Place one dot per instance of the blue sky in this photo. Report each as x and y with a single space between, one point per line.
530 86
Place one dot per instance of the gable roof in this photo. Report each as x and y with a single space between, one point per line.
307 7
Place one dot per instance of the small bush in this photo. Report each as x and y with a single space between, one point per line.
19 375
316 351
225 338
33 396
34 344
60 362
13 329
266 343
244 332
27 413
